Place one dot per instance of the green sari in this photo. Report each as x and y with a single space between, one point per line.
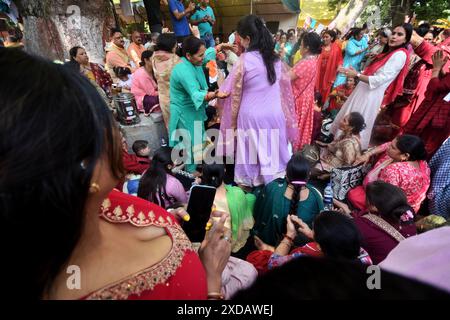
188 89
272 209
241 212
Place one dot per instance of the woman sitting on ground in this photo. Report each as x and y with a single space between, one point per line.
144 86
402 164
281 197
233 201
344 151
158 185
335 236
388 220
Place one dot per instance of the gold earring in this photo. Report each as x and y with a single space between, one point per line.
94 188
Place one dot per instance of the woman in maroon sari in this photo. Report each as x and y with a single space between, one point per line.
431 121
388 220
55 176
327 64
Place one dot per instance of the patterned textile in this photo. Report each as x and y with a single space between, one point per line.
439 194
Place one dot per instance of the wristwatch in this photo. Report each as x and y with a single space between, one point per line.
358 75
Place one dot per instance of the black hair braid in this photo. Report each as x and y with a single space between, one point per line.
295 199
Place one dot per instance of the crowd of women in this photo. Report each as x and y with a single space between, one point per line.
64 162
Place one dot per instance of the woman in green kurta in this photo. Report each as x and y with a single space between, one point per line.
189 98
284 196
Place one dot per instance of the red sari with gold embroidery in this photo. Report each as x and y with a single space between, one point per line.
179 276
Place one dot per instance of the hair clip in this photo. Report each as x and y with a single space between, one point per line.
299 183
83 165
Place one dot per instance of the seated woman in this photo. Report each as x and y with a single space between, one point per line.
402 164
339 95
144 86
291 195
388 220
56 174
233 201
335 236
158 185
343 151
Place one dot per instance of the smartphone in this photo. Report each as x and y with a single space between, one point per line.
201 200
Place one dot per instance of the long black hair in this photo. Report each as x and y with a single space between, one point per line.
297 174
260 40
152 186
212 174
390 200
337 235
54 127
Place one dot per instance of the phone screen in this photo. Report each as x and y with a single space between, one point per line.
201 200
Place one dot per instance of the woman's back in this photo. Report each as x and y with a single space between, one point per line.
151 276
272 208
377 241
257 91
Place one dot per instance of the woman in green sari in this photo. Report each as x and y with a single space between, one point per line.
189 98
232 200
281 197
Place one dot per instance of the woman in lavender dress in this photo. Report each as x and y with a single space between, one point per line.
256 112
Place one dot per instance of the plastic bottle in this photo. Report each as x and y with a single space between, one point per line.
328 197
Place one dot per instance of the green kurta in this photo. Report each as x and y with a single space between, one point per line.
188 89
272 208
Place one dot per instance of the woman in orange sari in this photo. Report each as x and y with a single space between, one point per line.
327 64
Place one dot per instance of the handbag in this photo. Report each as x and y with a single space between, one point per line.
345 178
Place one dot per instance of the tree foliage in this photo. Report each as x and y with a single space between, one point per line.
431 10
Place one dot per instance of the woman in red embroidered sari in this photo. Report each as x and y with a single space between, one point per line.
327 64
55 176
402 163
303 76
388 220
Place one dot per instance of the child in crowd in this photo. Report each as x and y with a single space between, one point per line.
339 95
125 77
317 122
142 151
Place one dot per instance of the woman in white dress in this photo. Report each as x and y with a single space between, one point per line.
379 84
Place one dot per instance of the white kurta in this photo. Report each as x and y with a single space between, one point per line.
367 97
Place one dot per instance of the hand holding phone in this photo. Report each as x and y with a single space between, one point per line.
201 200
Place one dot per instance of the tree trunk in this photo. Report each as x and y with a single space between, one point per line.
52 27
399 9
347 16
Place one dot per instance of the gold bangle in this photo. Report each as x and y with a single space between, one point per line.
215 296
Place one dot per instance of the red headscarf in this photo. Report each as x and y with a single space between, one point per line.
396 87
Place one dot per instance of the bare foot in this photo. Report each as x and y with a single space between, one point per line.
260 245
